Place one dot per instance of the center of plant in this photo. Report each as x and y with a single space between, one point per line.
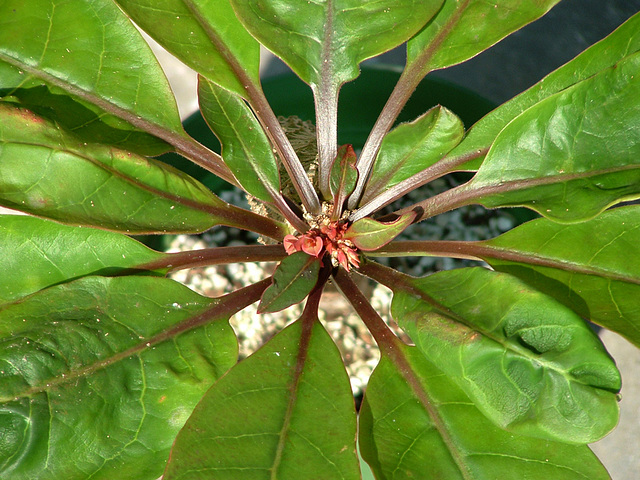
325 236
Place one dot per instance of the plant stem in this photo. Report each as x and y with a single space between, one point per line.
411 76
387 341
309 318
451 199
484 251
437 170
216 256
201 155
475 191
244 219
287 154
407 83
400 355
296 222
326 102
265 115
436 248
183 143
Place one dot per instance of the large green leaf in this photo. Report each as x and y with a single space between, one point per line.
622 42
323 41
99 375
206 35
245 147
36 253
464 28
88 49
285 412
571 155
47 171
592 267
412 147
416 423
88 122
528 362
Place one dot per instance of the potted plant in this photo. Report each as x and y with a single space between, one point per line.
111 370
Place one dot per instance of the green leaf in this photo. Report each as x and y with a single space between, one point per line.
99 375
323 41
285 412
36 253
293 280
246 150
368 234
343 174
88 122
622 42
46 171
464 28
206 36
592 267
529 363
571 155
88 50
412 147
416 423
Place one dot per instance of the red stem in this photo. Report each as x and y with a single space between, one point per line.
216 256
387 341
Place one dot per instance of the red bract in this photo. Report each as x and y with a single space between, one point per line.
325 239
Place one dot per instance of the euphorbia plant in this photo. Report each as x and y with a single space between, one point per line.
110 370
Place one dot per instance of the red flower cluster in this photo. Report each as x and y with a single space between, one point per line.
325 239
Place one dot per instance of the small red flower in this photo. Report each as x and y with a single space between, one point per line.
311 245
290 244
325 239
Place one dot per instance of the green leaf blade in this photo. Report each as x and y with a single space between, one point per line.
261 420
412 147
293 280
414 412
621 43
464 28
592 267
88 50
246 150
36 253
46 171
206 36
572 155
100 389
368 234
528 363
327 39
344 174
